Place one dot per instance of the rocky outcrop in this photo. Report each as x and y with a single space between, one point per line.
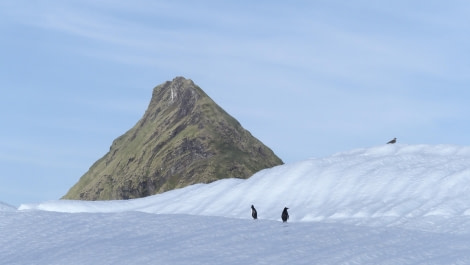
183 138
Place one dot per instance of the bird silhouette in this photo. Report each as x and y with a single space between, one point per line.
394 140
285 215
254 213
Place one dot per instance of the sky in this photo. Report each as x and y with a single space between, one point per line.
349 208
307 78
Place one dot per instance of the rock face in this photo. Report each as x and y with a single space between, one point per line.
183 138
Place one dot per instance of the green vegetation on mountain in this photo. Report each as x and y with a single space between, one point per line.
183 138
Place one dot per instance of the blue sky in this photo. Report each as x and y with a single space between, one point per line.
307 78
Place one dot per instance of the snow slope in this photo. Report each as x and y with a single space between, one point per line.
391 204
391 182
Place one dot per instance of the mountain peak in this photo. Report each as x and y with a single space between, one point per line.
176 88
183 138
180 91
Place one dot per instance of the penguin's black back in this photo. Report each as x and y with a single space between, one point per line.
285 215
254 213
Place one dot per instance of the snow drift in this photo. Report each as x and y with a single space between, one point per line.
390 181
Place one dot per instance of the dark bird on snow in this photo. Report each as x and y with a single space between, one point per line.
394 140
254 213
285 215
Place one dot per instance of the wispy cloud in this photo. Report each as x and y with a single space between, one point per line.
175 32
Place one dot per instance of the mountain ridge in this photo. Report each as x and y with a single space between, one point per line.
183 138
6 207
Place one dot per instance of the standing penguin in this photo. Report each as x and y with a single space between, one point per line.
254 214
285 215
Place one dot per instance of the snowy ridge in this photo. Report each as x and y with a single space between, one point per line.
390 181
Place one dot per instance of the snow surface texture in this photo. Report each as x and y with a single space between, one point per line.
391 204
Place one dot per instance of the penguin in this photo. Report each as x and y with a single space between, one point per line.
254 214
285 215
394 140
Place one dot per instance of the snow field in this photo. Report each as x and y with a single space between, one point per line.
391 204
141 238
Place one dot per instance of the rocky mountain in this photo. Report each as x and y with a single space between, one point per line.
183 138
